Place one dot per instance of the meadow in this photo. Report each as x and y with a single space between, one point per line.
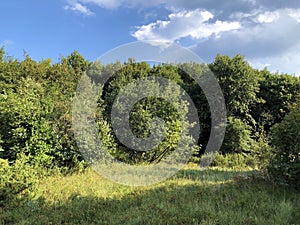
192 196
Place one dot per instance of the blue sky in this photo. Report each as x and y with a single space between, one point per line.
266 32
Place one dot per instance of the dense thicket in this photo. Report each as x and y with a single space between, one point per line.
285 164
36 116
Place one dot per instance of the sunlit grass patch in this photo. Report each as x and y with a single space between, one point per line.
192 196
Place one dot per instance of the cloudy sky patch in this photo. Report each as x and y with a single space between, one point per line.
194 24
78 8
266 32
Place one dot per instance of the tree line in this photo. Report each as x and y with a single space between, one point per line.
36 112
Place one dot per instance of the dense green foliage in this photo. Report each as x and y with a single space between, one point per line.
285 166
145 110
237 137
35 110
17 180
240 85
278 92
36 115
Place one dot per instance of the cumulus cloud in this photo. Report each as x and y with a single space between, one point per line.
272 41
268 17
265 31
78 8
258 39
194 24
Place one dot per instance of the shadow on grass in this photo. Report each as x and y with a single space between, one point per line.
236 199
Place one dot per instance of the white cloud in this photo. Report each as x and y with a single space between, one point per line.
265 31
78 8
195 24
295 14
267 17
275 43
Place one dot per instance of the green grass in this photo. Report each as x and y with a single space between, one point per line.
192 196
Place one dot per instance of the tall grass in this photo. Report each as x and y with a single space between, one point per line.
192 196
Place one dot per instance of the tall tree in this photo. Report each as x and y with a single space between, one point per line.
240 85
279 92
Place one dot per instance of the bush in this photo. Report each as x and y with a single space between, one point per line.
284 167
261 152
236 160
258 158
17 181
237 137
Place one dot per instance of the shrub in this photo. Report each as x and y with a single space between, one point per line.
284 167
237 137
261 152
236 160
17 181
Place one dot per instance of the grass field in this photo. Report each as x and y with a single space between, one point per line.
192 196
